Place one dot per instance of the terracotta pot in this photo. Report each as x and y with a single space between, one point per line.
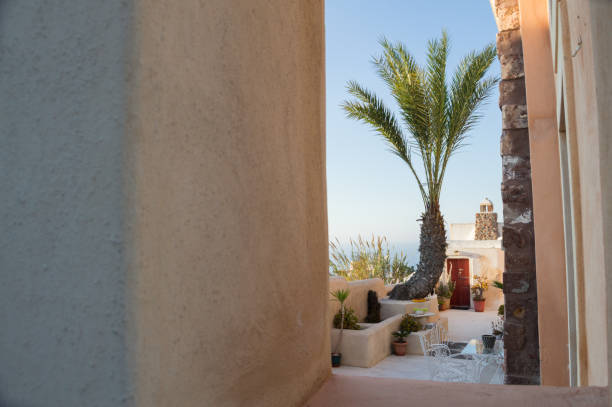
336 358
399 348
479 305
445 304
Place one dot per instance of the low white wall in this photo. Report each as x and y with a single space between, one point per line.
366 347
389 307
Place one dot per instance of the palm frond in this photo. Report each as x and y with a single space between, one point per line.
371 110
340 295
438 98
436 115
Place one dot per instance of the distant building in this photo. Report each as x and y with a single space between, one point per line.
476 249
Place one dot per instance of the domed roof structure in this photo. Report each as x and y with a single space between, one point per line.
486 205
486 202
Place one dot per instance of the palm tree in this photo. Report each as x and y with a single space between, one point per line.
437 117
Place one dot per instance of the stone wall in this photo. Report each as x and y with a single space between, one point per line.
521 328
486 226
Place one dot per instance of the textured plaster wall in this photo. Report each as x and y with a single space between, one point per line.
547 199
62 261
230 235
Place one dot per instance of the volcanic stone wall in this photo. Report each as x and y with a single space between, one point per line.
486 226
521 326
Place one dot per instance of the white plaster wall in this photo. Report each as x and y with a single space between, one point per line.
62 257
461 231
466 231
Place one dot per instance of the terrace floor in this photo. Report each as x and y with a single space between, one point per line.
463 325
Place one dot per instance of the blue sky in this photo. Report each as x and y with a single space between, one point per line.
370 191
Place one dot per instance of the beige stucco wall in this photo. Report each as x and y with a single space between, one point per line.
229 203
546 189
587 119
582 58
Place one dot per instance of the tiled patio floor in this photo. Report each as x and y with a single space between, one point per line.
463 325
401 367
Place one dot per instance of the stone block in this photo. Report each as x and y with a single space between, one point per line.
522 366
514 336
517 213
515 142
509 43
521 308
520 260
517 237
512 92
522 380
516 191
507 14
512 66
519 282
516 168
514 117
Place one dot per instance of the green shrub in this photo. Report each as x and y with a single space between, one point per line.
410 324
368 259
500 310
350 319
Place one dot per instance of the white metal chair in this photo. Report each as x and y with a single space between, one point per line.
488 369
441 362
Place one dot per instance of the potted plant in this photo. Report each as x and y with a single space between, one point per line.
409 324
481 284
340 296
399 346
444 290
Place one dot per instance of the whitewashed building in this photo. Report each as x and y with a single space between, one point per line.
476 249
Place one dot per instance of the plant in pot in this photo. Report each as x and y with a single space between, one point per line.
444 291
399 345
481 284
409 324
340 296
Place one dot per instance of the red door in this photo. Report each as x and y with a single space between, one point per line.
460 274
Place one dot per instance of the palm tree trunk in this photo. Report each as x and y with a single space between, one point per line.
432 248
